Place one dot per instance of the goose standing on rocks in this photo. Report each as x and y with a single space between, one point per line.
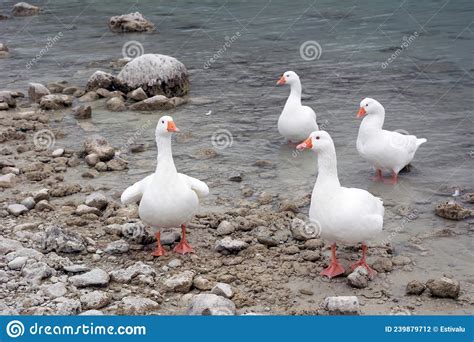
167 198
386 150
296 121
345 215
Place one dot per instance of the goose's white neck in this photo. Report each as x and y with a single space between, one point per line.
165 156
327 170
295 94
373 120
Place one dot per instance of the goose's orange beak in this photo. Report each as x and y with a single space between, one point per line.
361 113
281 81
172 127
308 143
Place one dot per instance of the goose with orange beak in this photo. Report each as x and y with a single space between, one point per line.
296 121
385 150
343 215
167 198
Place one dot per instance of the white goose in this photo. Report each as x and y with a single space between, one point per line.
167 198
384 149
296 121
346 215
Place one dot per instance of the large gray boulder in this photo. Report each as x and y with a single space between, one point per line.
156 75
36 91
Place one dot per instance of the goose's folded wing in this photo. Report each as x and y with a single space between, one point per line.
199 187
134 193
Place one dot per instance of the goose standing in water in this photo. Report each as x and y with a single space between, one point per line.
296 121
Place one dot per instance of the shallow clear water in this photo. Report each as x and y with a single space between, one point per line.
426 90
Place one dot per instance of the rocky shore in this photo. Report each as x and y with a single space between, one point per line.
69 248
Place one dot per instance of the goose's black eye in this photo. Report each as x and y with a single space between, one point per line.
287 75
367 105
162 121
317 138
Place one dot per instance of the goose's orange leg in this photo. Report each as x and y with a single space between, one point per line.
183 246
159 250
334 269
362 262
378 175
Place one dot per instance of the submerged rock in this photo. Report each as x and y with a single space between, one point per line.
82 112
55 101
99 146
452 211
132 22
156 75
444 287
153 103
210 305
116 104
23 9
3 48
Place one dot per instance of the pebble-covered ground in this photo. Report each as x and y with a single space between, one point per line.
69 248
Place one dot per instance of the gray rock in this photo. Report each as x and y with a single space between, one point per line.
202 283
17 263
8 180
311 255
452 211
132 22
126 275
133 305
44 205
401 260
57 152
99 146
156 75
223 289
265 198
156 102
36 271
359 278
89 97
303 231
68 307
95 277
136 232
117 164
17 209
210 305
100 79
415 287
229 245
83 209
29 202
29 253
92 159
117 247
4 278
23 9
55 290
95 300
137 95
96 200
62 241
342 305
40 195
56 87
91 313
116 104
168 238
76 268
101 166
225 228
444 287
36 91
175 263
55 101
383 265
180 282
82 112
